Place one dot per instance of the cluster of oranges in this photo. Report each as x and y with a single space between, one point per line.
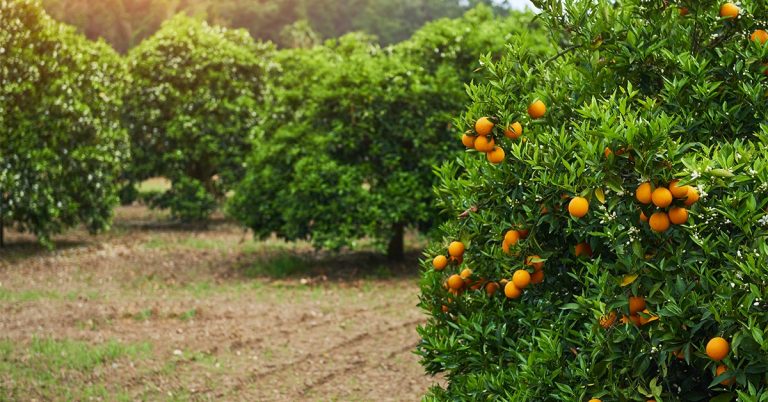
638 314
673 198
481 138
717 350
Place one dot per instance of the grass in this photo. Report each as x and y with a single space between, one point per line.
48 368
8 295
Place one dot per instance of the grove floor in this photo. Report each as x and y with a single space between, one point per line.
155 311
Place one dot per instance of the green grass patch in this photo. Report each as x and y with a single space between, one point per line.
8 295
61 369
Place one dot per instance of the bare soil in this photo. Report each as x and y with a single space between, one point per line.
225 317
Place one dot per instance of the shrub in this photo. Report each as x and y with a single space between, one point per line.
354 133
618 308
61 144
193 108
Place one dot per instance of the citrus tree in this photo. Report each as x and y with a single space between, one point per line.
355 129
61 143
606 231
192 110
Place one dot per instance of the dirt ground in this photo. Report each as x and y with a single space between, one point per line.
153 311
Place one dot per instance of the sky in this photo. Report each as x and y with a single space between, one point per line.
521 4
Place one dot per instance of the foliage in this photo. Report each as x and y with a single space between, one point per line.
354 132
192 109
61 144
641 92
125 23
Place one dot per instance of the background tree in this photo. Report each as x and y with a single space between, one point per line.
355 132
61 144
193 109
125 23
589 271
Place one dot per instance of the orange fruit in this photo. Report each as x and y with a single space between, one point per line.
505 247
521 279
523 233
636 304
759 36
444 308
483 126
440 262
537 277
718 348
693 196
677 191
458 260
643 193
514 130
468 140
578 207
466 273
484 144
720 370
544 209
678 215
456 249
643 217
659 222
607 152
455 282
683 11
491 288
583 249
635 319
607 321
595 400
537 109
538 266
496 156
512 291
512 237
765 68
662 197
729 10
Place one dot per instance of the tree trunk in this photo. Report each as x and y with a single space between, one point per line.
396 248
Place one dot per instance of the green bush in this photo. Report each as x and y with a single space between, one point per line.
61 143
640 92
355 130
192 109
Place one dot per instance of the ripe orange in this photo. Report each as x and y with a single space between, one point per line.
683 11
607 152
720 370
456 249
537 277
643 217
729 10
759 36
512 237
523 233
484 144
491 288
468 140
537 109
718 348
521 279
643 193
595 400
636 304
455 282
483 126
578 207
693 196
466 273
512 291
514 130
444 308
538 266
583 249
659 222
458 260
662 197
677 191
544 209
678 215
607 321
679 354
496 156
505 247
440 262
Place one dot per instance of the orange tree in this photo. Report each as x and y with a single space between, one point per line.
611 242
192 111
61 143
354 130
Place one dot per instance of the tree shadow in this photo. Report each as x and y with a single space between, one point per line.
25 246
